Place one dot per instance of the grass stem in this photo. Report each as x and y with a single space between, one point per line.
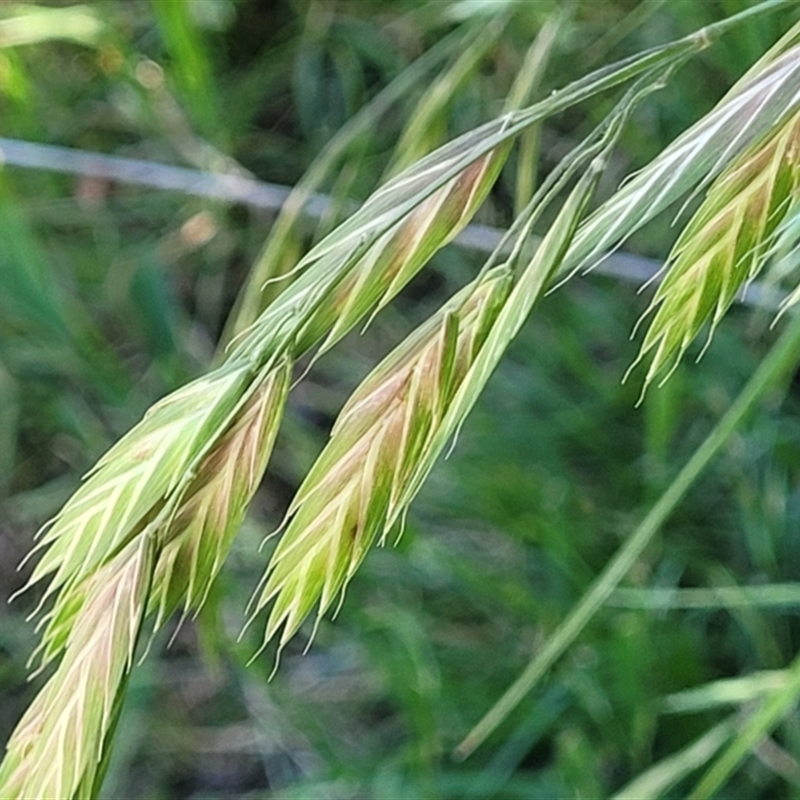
778 363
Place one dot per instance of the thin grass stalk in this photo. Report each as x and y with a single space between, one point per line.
727 691
772 595
780 703
777 365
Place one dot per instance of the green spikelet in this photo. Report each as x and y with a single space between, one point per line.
351 496
723 247
128 486
59 744
201 532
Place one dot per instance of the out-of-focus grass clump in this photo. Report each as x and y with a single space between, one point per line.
111 295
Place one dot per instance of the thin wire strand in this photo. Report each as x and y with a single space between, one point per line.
271 197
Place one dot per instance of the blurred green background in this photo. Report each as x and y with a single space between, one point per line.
112 293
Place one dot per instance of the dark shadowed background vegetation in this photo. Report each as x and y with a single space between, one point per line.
112 294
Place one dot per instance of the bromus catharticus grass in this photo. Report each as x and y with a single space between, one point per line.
150 527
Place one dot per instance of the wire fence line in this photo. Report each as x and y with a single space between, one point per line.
271 197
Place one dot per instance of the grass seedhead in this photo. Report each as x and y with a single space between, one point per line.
59 744
149 528
129 486
723 247
200 534
398 254
760 101
351 496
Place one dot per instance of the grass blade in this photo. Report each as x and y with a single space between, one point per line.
773 710
661 777
779 363
426 124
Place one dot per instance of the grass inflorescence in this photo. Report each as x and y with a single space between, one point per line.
147 532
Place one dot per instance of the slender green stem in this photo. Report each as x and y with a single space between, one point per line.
775 595
775 707
781 359
664 775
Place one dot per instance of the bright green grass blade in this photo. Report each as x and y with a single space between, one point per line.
779 363
775 708
525 86
189 61
774 595
730 691
32 24
661 777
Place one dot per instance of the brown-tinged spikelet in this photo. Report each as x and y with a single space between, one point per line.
399 253
350 497
724 245
361 265
57 746
753 109
200 534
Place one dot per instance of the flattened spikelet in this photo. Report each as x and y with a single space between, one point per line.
202 530
362 264
58 744
724 246
398 254
351 496
751 110
128 486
